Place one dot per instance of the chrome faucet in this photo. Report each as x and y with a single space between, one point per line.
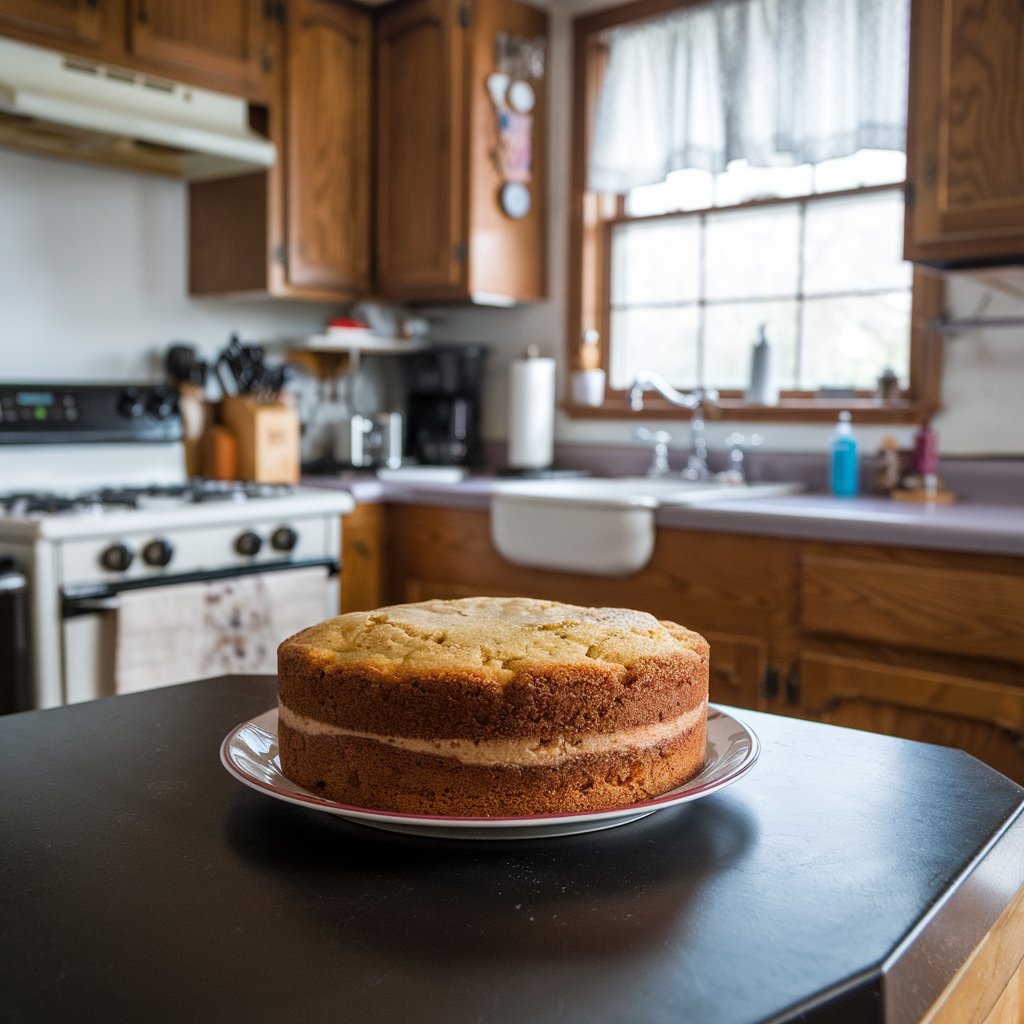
655 382
697 400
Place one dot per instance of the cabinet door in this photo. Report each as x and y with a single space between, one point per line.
985 719
218 44
421 234
83 24
965 157
327 148
362 559
738 666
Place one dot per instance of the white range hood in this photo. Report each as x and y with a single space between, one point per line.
71 107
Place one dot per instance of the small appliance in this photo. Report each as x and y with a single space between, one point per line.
443 404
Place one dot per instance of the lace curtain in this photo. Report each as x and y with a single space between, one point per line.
768 81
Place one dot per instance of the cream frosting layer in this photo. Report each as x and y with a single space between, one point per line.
528 752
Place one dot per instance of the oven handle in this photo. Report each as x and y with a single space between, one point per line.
91 599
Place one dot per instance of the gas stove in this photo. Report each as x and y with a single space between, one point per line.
152 496
95 508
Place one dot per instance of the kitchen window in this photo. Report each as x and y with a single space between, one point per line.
680 275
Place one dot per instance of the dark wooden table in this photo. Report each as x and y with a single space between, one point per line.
846 878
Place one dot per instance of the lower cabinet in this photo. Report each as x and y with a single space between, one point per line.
919 644
924 645
362 559
985 719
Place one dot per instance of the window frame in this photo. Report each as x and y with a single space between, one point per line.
591 218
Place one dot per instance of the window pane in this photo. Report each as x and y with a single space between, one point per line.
865 167
855 244
662 340
656 261
730 333
740 183
753 253
848 342
691 189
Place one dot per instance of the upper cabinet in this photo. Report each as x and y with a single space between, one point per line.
225 42
327 147
301 229
226 46
965 148
86 26
461 100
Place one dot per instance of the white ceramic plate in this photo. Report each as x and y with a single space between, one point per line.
249 752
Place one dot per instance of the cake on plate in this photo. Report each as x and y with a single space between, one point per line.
492 707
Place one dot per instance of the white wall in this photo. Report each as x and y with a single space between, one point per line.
93 276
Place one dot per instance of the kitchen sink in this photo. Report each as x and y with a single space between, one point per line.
598 526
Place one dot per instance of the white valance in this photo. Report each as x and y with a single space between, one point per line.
766 81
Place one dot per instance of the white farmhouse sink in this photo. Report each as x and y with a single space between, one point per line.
597 526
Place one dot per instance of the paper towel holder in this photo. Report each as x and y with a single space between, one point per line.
531 412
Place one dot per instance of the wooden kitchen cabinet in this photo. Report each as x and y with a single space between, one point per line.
83 26
362 559
441 232
227 43
226 46
301 229
965 160
918 644
985 719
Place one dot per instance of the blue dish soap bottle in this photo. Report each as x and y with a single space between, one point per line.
844 467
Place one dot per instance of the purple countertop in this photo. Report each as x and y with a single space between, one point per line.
968 526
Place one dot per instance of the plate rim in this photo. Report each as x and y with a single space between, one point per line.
305 798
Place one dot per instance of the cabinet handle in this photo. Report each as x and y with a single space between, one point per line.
92 4
770 683
141 13
793 688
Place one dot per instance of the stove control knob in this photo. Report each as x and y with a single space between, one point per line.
131 404
117 557
284 538
160 404
158 552
248 543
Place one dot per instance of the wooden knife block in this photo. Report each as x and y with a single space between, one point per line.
267 435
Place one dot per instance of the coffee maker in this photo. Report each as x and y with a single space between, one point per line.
443 386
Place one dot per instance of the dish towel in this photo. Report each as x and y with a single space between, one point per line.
176 633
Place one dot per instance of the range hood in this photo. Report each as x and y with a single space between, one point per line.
71 107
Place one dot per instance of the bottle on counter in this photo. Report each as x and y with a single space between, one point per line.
887 473
762 389
844 466
926 459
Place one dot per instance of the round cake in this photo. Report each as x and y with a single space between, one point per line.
492 707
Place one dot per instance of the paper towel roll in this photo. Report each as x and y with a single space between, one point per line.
531 413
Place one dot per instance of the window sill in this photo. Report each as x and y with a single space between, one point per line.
791 410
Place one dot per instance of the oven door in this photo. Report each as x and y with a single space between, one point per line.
140 634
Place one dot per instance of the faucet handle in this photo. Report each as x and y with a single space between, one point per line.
736 473
661 439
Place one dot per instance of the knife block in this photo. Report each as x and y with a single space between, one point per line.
267 436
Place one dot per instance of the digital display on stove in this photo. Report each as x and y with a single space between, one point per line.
35 399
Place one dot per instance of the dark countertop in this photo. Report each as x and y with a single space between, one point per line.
969 526
844 879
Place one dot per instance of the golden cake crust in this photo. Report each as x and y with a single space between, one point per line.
360 694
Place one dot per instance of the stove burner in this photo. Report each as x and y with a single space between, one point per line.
116 499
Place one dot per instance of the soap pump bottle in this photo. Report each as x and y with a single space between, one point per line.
844 468
762 390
